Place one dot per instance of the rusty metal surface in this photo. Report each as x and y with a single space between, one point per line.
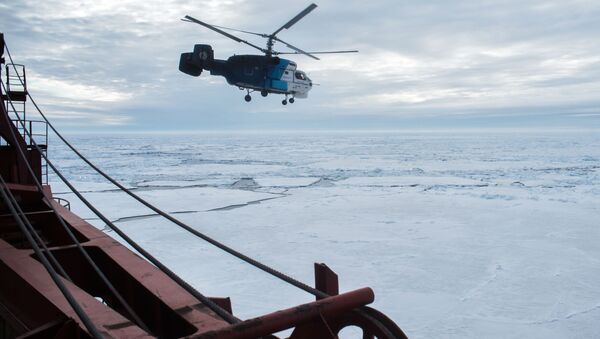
326 280
172 311
291 317
30 303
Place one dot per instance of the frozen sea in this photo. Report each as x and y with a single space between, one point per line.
491 234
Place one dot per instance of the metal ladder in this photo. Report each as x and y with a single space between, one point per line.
30 130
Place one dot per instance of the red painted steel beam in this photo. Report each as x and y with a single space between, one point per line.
326 280
278 321
27 291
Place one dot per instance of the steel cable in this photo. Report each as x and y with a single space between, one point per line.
217 309
179 223
39 240
64 290
212 305
86 256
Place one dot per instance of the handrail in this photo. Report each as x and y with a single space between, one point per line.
63 202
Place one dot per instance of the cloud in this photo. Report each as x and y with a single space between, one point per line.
434 56
70 91
82 118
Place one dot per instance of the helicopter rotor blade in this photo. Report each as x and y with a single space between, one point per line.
295 19
233 29
230 36
298 50
242 31
322 52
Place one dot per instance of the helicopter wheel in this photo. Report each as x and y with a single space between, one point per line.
292 100
264 93
284 102
247 98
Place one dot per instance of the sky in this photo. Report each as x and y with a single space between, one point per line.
113 65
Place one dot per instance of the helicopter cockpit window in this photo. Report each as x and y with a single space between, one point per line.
300 76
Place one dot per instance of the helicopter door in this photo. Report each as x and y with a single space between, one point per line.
280 77
287 76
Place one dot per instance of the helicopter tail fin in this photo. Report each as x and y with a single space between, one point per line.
187 66
193 63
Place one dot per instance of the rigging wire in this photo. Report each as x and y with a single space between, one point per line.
57 280
39 240
213 306
179 223
205 300
86 256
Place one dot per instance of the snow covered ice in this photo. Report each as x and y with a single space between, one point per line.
461 235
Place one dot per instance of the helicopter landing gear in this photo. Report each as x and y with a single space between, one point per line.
291 100
248 98
284 102
264 93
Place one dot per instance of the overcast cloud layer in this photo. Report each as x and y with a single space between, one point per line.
112 65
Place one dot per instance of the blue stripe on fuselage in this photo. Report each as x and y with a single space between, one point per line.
277 74
280 85
278 70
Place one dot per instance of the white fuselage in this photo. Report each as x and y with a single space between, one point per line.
298 84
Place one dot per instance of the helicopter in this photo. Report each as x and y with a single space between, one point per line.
266 73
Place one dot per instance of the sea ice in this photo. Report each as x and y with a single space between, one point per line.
477 235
